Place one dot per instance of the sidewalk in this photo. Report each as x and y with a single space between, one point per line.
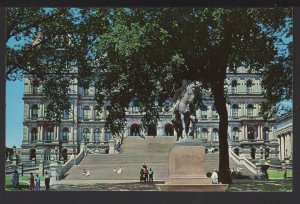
102 185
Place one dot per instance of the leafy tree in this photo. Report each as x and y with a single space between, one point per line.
146 54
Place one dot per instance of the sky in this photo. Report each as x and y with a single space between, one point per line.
14 113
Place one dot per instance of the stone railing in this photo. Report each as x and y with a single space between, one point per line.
242 160
73 161
248 164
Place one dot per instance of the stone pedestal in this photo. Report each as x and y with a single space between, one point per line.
187 170
55 169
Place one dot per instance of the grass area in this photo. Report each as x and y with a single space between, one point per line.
279 185
278 174
23 182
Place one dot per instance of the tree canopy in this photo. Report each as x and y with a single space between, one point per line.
145 54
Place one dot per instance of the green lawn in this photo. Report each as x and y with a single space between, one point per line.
23 182
278 174
275 185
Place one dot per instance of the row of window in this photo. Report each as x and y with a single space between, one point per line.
49 134
249 86
86 92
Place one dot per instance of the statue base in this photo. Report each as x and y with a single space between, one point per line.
187 171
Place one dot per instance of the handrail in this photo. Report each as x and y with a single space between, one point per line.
241 160
73 161
249 164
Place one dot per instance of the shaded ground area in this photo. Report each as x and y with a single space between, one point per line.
279 185
276 185
136 186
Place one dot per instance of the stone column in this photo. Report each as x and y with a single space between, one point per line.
288 145
279 148
282 148
262 132
243 133
210 135
246 132
292 143
271 133
198 113
25 135
102 135
258 132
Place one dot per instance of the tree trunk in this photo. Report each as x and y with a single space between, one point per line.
220 102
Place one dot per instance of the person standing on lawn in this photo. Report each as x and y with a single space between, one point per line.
31 182
37 182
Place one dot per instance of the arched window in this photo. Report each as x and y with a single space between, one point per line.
215 135
86 135
86 112
35 85
251 133
65 135
49 134
97 113
204 134
249 87
203 112
135 130
235 111
32 155
214 114
96 135
250 111
34 111
234 86
34 134
235 133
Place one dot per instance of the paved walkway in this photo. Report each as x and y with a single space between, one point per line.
103 185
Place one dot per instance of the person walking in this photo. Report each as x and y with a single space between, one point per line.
15 179
47 181
150 175
142 175
31 182
37 182
146 175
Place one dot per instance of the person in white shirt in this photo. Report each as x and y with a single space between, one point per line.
88 173
214 177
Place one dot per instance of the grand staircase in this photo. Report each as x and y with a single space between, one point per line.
134 152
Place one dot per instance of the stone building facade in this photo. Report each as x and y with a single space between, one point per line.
85 122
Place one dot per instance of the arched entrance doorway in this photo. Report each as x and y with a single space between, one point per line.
32 155
251 133
65 154
169 129
135 130
152 130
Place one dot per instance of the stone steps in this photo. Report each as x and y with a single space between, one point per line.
134 151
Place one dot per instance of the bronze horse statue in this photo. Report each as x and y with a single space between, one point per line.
182 114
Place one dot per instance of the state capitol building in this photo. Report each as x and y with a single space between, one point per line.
85 122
